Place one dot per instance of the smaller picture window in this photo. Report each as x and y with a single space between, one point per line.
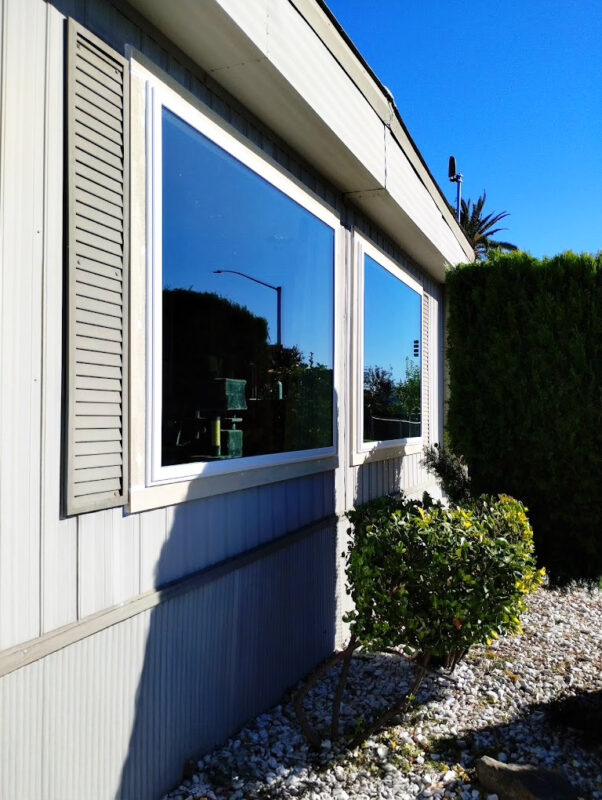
389 346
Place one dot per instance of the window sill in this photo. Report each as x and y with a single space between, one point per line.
384 451
144 498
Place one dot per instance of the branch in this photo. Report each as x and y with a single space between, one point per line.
336 703
398 708
310 734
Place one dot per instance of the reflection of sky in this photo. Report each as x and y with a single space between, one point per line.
391 320
218 214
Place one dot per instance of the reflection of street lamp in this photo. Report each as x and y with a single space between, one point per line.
277 289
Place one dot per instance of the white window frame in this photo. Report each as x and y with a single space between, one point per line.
363 452
154 485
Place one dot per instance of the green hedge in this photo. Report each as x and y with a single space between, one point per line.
525 410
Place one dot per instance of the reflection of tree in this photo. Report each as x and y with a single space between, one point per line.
206 338
388 399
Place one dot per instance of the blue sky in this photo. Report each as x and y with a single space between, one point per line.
513 90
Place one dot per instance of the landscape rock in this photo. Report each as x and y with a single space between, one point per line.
523 782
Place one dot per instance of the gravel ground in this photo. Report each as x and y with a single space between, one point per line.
496 703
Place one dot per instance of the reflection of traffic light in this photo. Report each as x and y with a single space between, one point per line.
416 348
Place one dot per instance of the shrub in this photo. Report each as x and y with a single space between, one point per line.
525 361
432 580
438 580
451 470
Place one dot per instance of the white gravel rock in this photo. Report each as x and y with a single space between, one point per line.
490 706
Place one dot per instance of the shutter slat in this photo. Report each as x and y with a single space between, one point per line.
100 159
100 73
98 460
110 236
110 285
98 382
85 330
91 358
97 217
113 321
99 184
91 448
111 488
97 395
111 98
97 200
102 346
98 306
100 436
99 422
93 112
90 49
87 265
106 140
96 254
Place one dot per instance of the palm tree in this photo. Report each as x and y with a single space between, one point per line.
479 229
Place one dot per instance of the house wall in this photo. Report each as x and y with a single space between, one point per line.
87 634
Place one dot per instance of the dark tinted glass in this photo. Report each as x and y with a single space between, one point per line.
247 309
391 356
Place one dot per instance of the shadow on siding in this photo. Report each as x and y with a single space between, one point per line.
220 654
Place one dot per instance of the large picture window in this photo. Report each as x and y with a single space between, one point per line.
389 392
243 304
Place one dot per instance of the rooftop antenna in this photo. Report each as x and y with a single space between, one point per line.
455 177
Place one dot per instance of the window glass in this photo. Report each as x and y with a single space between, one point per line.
247 327
391 356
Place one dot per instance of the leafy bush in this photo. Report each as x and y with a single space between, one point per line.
438 580
525 359
451 470
432 580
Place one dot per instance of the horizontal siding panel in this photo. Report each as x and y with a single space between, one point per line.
89 435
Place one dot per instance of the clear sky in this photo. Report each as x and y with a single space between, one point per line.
512 89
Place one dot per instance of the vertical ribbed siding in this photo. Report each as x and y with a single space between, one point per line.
97 210
425 377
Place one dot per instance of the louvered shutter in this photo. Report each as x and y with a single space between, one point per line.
97 164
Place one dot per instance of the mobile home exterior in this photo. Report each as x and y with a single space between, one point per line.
214 224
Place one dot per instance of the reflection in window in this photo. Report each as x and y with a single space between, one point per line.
391 356
247 309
